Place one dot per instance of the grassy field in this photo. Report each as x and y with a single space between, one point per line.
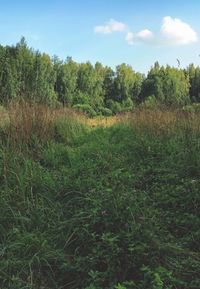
94 204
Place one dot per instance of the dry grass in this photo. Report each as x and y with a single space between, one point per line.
26 120
167 121
103 121
3 116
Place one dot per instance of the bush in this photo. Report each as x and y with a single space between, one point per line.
150 102
128 104
114 106
86 108
81 98
195 107
105 111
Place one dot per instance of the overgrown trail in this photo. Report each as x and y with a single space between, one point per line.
108 207
104 122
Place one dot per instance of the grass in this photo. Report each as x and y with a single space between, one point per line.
3 116
92 206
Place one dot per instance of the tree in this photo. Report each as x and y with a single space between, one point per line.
45 79
127 83
168 85
194 78
34 76
9 84
90 84
66 80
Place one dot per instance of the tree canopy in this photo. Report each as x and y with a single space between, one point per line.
32 75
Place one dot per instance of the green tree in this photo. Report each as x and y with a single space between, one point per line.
194 78
90 84
66 80
168 85
45 79
127 83
9 85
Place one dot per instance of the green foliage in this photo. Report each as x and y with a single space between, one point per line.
127 83
81 98
169 85
9 87
127 105
66 80
150 102
195 107
90 81
86 108
194 77
114 207
26 74
114 106
67 130
105 111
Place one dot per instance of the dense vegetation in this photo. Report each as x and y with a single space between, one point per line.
31 75
99 208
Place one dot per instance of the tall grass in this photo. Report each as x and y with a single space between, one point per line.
114 206
163 121
27 121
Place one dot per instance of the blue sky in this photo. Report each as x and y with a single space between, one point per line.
112 32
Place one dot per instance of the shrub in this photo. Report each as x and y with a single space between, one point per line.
86 108
128 103
81 98
150 102
195 107
114 106
106 111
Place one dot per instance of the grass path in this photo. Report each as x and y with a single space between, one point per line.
112 205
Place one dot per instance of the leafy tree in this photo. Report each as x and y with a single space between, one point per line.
9 85
109 77
194 77
31 75
127 83
45 78
66 80
90 83
169 85
24 64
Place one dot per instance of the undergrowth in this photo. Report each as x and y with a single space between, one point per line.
107 207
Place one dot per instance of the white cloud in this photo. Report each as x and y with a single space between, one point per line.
173 31
177 32
130 38
145 35
109 27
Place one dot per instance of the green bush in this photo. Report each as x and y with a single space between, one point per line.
81 98
114 106
195 107
86 108
150 102
128 103
105 111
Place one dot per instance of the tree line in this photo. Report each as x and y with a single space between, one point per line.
96 89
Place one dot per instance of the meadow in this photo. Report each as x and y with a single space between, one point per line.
99 203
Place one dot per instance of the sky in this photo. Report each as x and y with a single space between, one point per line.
110 31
